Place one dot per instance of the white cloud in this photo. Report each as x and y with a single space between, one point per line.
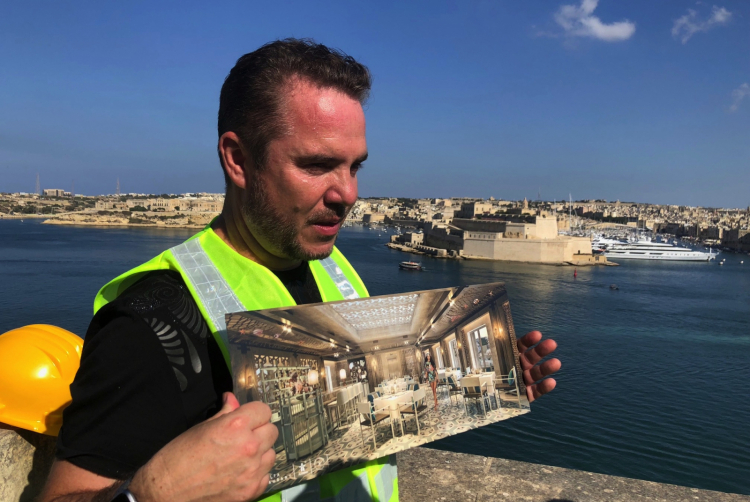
579 21
738 95
689 24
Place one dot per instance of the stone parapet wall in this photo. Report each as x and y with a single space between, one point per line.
25 460
424 475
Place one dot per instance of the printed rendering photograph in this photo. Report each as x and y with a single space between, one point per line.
356 380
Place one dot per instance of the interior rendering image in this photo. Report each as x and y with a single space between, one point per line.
359 379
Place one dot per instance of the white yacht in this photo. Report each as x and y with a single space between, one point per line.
600 243
646 249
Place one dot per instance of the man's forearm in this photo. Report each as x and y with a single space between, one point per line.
104 495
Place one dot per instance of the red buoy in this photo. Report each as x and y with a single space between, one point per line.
575 273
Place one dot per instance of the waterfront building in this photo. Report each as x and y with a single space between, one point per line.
737 239
111 205
162 204
524 241
441 236
409 238
373 217
536 242
474 208
445 215
55 192
206 205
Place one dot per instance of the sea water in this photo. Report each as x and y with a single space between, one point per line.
654 377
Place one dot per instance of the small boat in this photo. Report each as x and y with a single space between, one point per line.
613 287
410 265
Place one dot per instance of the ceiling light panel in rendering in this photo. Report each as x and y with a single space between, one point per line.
378 312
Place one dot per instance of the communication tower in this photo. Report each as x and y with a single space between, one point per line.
72 189
38 187
117 191
570 212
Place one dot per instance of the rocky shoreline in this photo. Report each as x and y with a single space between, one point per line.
193 221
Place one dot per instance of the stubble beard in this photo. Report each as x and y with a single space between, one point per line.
278 230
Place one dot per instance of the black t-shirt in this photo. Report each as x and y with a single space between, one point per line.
301 284
150 370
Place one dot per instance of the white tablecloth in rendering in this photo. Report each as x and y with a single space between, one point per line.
393 402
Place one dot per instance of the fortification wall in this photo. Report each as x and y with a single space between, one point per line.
559 250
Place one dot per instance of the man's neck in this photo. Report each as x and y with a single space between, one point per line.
232 228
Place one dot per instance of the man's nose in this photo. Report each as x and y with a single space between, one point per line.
343 188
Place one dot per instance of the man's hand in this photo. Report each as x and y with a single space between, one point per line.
225 458
534 372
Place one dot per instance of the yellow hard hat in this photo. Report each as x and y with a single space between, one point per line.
37 366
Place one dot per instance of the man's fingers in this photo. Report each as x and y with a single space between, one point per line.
264 468
267 460
542 350
527 340
532 370
539 389
540 371
267 435
259 414
230 404
263 485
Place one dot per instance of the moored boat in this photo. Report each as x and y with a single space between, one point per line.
646 249
410 265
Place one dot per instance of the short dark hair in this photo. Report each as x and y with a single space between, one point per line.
250 102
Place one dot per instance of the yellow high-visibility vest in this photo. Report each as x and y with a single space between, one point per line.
222 281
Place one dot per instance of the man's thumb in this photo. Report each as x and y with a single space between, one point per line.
230 404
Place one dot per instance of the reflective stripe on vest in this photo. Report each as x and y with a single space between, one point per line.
213 291
386 481
339 279
215 294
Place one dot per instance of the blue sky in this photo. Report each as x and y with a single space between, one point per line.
638 100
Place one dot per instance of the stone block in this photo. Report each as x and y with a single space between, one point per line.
25 461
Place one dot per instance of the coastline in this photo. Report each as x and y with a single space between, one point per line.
147 220
198 221
118 224
4 216
407 249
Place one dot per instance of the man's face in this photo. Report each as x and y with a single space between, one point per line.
298 200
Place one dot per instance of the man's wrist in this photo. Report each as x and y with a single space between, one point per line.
123 493
143 484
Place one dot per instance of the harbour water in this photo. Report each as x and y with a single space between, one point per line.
654 378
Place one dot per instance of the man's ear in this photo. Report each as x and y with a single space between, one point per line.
233 158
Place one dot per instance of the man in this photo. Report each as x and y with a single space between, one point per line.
153 417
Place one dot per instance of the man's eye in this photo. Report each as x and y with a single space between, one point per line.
316 167
357 167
